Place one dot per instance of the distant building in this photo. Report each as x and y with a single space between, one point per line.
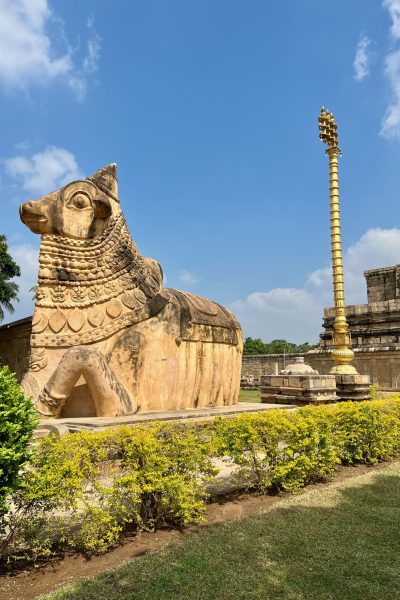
375 325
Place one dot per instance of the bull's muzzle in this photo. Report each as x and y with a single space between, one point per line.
33 216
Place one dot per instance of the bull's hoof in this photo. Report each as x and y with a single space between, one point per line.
46 406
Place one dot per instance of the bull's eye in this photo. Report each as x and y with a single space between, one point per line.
80 200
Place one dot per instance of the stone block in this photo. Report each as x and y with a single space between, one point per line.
352 379
301 389
353 387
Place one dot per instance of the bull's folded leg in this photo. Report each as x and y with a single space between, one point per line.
110 397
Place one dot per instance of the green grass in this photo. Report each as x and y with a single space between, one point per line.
339 542
249 396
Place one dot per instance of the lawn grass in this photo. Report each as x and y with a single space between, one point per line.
331 542
249 396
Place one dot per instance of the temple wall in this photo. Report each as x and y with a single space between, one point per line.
383 366
14 345
382 284
376 325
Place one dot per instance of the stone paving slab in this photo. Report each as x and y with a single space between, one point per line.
67 425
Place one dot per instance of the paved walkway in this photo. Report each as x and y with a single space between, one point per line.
62 426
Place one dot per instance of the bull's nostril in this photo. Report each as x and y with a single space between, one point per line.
30 208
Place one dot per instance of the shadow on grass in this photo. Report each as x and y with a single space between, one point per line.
333 543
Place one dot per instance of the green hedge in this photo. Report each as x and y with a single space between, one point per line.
285 450
85 489
17 423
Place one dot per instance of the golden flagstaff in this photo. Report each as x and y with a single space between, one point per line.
342 353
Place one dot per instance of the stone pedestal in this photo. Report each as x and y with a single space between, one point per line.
298 384
353 387
298 389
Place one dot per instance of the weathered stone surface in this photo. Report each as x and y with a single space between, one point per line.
202 415
299 367
108 339
353 387
14 345
298 384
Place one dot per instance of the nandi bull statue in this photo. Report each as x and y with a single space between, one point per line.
107 338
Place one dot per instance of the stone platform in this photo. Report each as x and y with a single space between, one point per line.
62 426
353 387
298 384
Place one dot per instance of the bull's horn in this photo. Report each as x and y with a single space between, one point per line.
106 180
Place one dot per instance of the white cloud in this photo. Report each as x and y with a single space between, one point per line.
296 314
26 256
390 128
188 277
44 171
30 52
393 7
91 61
281 313
391 121
362 58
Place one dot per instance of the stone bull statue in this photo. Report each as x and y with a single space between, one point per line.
107 338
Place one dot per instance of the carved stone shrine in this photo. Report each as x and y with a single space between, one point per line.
107 338
298 384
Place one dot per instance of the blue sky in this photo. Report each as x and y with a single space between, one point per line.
210 110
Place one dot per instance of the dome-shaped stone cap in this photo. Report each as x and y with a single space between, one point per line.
299 367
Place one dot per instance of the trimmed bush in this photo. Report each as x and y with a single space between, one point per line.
285 450
83 490
367 432
278 450
17 422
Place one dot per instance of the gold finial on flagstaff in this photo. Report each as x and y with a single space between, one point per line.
342 353
328 129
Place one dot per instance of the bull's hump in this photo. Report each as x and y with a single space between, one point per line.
203 319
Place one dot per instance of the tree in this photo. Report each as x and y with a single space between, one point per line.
281 347
306 347
257 346
8 270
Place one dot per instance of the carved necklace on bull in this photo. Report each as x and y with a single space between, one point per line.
90 288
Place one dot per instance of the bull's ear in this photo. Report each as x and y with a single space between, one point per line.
102 207
106 180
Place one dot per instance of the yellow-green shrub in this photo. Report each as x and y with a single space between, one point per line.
285 450
367 431
282 450
84 489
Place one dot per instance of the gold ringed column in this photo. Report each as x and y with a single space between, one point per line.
342 353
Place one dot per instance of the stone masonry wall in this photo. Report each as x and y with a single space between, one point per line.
376 325
382 366
382 284
14 345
